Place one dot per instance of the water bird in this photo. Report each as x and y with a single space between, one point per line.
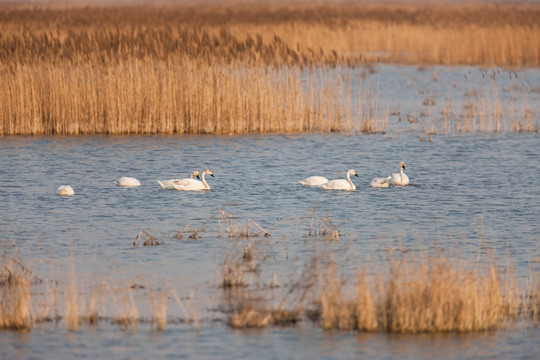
400 179
169 184
380 182
341 184
195 185
127 182
65 190
314 181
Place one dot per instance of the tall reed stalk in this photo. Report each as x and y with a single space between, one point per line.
229 69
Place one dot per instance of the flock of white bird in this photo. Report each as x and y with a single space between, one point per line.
397 179
197 182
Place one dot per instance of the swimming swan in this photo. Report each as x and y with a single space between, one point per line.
195 185
314 181
400 179
380 182
341 184
127 182
65 190
168 184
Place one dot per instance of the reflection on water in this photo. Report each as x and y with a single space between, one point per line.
468 195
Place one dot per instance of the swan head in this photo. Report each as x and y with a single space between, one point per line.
208 172
353 172
402 165
195 174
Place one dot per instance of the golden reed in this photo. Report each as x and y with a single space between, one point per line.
184 68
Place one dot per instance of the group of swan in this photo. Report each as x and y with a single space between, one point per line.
189 184
397 179
192 184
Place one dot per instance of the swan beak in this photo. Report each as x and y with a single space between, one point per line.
212 175
355 174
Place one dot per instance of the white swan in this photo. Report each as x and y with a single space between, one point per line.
195 185
168 184
65 190
400 179
314 181
127 182
380 182
341 184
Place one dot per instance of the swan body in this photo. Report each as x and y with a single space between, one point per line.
127 182
314 181
195 185
341 184
400 179
65 190
380 182
169 184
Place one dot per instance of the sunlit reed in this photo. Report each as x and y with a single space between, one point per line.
232 69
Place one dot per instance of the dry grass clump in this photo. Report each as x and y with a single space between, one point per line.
252 314
193 233
236 266
149 240
15 298
422 296
160 309
236 230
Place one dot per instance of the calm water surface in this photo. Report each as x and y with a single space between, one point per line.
470 196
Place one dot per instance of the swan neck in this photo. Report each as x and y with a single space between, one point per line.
401 172
204 181
349 179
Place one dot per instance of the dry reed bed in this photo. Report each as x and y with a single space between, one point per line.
146 98
482 34
182 68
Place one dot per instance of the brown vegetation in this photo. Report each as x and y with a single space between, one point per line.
410 296
267 33
412 293
221 69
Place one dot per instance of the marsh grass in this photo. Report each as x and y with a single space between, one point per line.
415 293
186 309
159 304
432 294
275 34
72 316
233 69
149 240
235 229
237 269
